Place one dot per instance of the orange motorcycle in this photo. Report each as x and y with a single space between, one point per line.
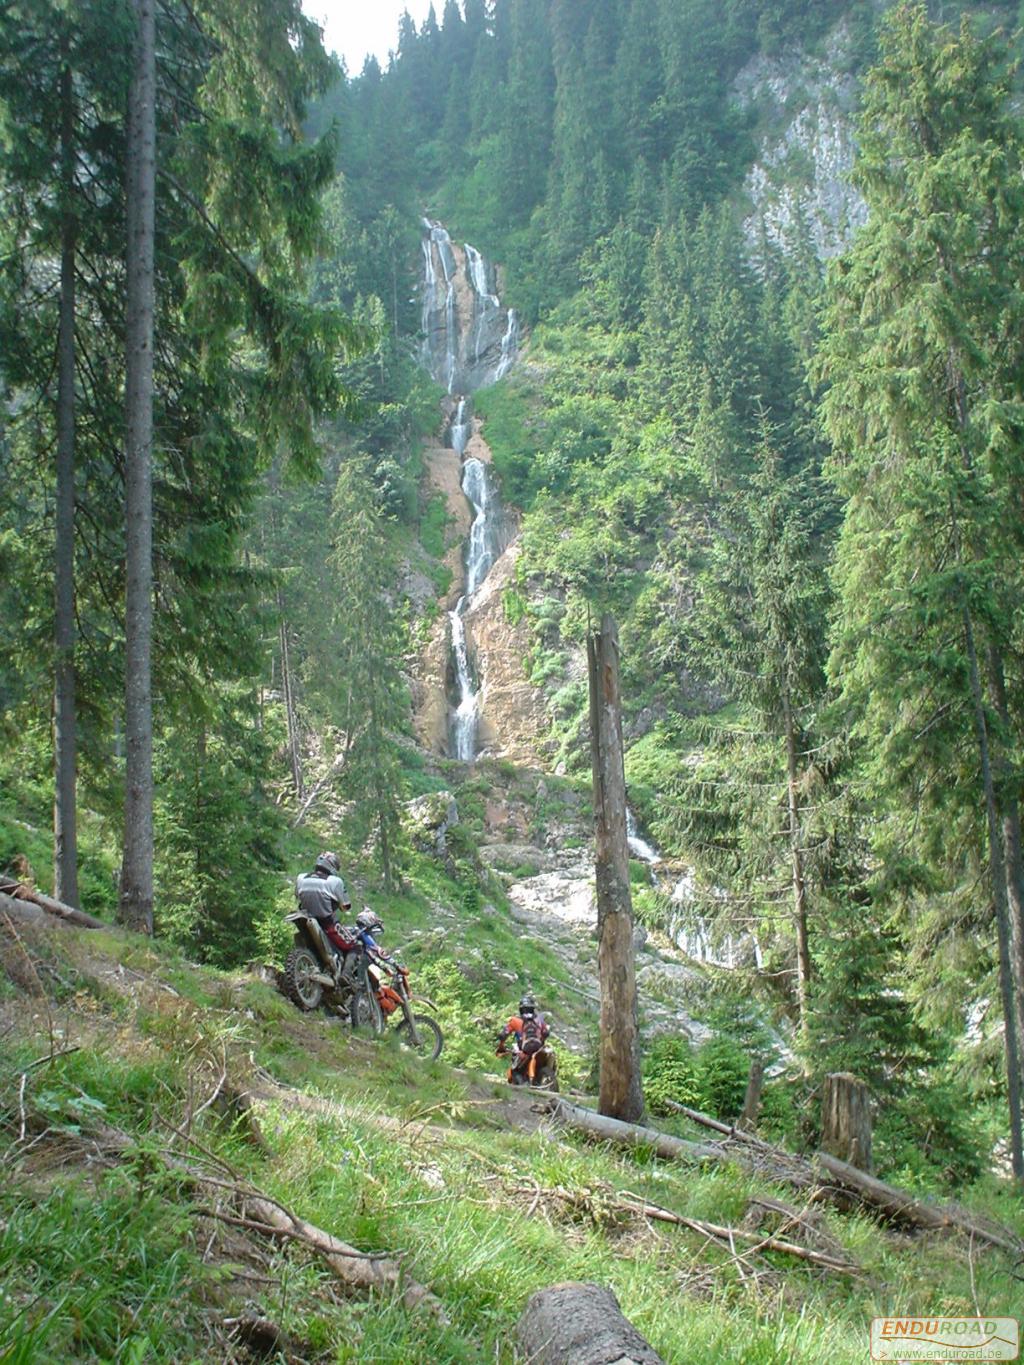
389 980
539 1070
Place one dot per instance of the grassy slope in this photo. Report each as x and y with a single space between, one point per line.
108 1258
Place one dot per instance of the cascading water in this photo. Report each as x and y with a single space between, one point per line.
482 549
691 931
469 340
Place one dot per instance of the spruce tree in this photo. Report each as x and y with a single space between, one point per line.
366 641
923 356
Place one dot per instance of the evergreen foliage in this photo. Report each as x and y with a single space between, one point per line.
816 581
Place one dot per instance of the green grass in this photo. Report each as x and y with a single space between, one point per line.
106 1263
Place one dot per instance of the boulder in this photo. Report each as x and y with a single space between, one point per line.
428 820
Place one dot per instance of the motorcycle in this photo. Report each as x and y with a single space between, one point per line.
539 1070
314 974
419 1032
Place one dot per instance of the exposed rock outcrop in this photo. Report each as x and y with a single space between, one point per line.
800 178
513 720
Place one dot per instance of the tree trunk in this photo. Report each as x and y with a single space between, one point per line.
580 1324
803 952
747 1120
136 900
634 1135
1006 800
997 874
294 750
65 728
846 1119
620 1092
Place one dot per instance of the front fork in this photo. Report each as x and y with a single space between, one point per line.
414 1036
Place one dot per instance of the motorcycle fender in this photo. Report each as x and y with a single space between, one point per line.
423 1000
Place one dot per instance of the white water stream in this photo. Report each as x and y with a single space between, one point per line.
469 340
690 931
481 552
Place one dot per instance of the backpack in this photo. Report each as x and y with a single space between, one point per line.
533 1035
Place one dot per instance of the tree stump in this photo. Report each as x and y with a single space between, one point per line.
580 1324
846 1119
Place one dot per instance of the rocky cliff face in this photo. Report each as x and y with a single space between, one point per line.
805 107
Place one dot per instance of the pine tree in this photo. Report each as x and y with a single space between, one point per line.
923 355
367 639
758 626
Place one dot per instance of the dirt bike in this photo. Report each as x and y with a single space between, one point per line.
313 975
419 1032
539 1070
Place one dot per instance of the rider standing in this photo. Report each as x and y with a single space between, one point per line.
321 894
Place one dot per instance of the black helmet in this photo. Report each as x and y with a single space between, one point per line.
328 862
527 1005
368 922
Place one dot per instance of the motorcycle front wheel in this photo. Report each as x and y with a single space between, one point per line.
366 1014
431 1039
300 966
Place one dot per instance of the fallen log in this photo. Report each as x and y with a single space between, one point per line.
901 1207
18 891
21 911
634 1135
580 1324
355 1268
838 1180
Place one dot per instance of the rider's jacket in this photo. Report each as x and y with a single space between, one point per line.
319 896
515 1026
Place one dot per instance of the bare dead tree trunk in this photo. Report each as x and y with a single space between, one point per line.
997 875
846 1119
621 1095
136 900
803 951
294 749
747 1120
1010 817
65 725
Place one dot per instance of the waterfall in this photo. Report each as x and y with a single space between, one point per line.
458 432
464 717
482 548
469 341
509 345
638 846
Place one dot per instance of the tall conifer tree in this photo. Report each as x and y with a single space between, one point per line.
924 353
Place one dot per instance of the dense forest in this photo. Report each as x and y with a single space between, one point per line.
783 446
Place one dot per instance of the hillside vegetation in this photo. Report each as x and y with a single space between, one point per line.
122 1071
767 408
